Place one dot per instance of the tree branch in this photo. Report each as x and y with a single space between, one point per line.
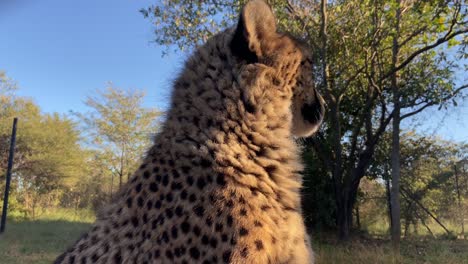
408 60
432 103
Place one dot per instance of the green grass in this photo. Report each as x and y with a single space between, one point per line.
41 241
376 251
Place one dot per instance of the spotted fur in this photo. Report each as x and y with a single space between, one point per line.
221 183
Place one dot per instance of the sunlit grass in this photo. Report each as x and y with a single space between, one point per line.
380 229
42 240
64 214
359 251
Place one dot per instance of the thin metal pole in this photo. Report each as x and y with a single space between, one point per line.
8 175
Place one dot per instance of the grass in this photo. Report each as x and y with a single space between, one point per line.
378 251
42 240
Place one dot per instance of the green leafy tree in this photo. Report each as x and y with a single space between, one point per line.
48 157
429 184
375 60
120 129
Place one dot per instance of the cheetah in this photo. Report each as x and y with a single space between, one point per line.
221 183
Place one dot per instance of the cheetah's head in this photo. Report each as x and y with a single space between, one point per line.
256 40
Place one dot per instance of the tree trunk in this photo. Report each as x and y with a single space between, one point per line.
358 219
395 193
460 207
345 205
343 220
389 202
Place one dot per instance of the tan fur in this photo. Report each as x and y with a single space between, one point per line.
222 182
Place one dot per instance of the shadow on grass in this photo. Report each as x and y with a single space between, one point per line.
38 241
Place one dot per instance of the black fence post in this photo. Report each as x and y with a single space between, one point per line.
8 175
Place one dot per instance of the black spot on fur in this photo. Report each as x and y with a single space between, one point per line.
243 231
229 220
201 183
244 252
189 180
183 194
185 227
117 258
179 211
158 178
224 237
192 198
219 227
194 253
176 186
209 221
213 242
243 212
199 210
205 163
169 254
196 230
169 213
140 201
157 254
220 179
157 204
169 197
205 240
134 221
153 187
174 232
138 188
227 256
258 245
185 169
165 180
271 169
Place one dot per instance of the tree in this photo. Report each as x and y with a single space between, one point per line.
120 129
368 72
48 158
395 191
7 85
429 182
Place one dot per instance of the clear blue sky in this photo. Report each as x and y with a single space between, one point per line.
60 51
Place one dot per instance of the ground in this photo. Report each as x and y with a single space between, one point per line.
42 240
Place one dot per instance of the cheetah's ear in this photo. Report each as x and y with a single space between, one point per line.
255 29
